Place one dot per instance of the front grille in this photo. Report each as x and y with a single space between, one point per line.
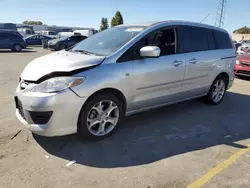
245 63
19 106
244 72
40 117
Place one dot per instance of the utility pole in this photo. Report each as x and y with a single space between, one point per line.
220 15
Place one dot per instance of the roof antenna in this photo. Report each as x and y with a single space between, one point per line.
205 17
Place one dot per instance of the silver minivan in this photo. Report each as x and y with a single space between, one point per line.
89 88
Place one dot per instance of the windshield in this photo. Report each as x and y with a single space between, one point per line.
108 41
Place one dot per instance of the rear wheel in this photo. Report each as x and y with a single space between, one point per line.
217 90
17 48
100 116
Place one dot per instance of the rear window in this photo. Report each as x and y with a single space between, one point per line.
222 40
194 39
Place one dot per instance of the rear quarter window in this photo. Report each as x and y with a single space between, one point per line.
222 40
194 39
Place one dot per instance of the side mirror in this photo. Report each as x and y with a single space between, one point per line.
150 51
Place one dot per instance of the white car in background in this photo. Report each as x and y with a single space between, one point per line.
85 32
244 48
64 34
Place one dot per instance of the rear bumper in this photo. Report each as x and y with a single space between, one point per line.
242 70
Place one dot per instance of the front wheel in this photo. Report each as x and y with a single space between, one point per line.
217 90
100 117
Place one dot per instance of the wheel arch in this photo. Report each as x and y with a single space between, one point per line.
114 91
225 75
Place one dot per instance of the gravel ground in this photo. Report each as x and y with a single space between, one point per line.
167 147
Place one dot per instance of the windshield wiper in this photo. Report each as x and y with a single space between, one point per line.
84 52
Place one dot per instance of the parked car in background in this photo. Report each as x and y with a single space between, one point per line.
242 66
25 32
244 41
244 48
65 42
51 34
10 39
85 32
123 70
9 26
64 34
36 39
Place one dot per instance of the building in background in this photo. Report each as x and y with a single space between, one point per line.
10 26
240 37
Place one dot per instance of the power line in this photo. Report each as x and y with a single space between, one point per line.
205 17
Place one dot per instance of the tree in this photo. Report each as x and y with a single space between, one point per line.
25 22
243 30
32 22
104 24
113 22
118 18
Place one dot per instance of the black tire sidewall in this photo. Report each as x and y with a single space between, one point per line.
82 129
14 47
209 98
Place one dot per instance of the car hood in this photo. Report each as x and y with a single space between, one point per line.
62 61
244 57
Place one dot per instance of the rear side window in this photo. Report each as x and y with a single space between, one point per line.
14 36
222 40
194 39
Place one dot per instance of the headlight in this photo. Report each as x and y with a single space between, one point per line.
237 62
57 84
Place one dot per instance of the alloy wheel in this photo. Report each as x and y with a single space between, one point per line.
103 117
218 91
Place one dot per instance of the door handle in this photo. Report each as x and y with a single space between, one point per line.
193 61
177 63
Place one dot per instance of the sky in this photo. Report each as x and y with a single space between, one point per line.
88 13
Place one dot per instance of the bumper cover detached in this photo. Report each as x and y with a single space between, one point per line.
49 114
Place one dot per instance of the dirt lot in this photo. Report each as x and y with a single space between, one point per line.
187 144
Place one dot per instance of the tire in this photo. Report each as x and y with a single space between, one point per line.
17 48
89 114
62 47
212 97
